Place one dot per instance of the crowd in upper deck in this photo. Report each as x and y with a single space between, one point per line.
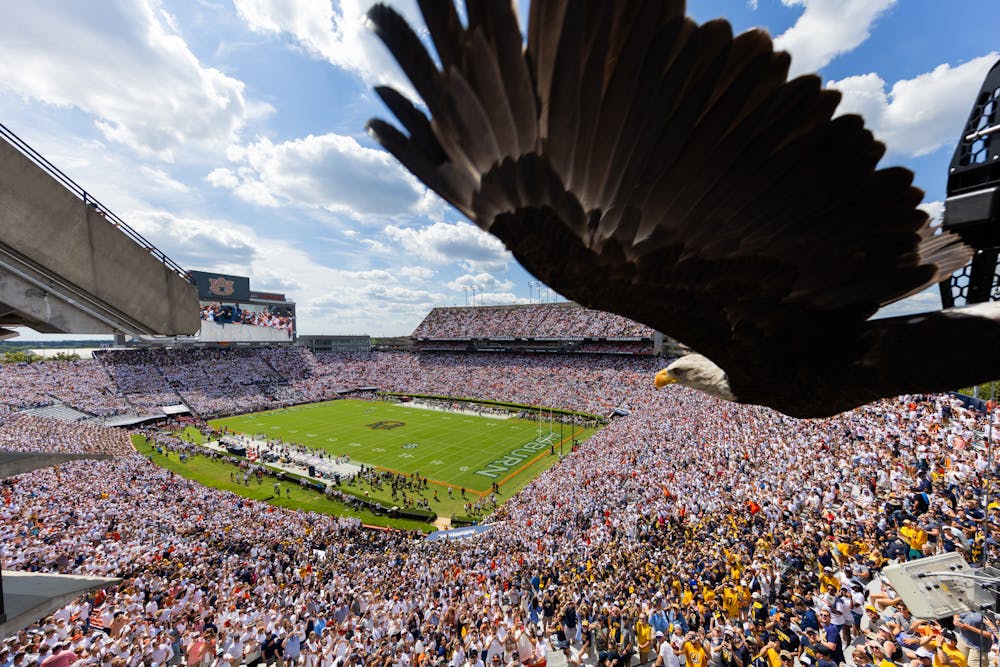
549 320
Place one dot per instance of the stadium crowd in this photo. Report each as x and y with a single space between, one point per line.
20 432
81 384
233 314
211 381
587 384
553 320
221 381
691 532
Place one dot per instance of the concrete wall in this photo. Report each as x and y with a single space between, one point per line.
51 227
213 332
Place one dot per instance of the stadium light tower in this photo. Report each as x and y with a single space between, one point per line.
972 210
972 207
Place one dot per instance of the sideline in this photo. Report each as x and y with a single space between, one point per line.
433 481
470 413
300 466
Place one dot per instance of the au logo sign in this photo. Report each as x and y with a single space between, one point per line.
386 425
220 286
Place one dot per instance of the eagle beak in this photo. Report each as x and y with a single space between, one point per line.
663 379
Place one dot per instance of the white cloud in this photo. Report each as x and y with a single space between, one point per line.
919 115
444 242
484 289
923 302
479 281
377 246
935 209
499 299
328 300
338 34
198 243
329 171
222 178
416 273
827 28
162 179
122 62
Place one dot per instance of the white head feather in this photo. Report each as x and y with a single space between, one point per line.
698 372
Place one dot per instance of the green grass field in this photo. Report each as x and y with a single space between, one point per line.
218 474
450 449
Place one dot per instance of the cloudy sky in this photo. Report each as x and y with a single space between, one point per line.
231 133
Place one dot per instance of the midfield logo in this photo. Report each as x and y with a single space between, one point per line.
386 425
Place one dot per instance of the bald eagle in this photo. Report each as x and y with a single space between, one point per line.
639 163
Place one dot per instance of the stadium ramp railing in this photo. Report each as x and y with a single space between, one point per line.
89 200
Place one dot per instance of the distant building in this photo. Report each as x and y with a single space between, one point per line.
393 344
322 343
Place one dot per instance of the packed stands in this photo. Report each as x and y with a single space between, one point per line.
527 326
23 432
83 385
685 515
138 378
214 381
689 516
291 363
219 381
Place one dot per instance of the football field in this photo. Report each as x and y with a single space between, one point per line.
453 449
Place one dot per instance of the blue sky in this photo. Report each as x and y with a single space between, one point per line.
231 133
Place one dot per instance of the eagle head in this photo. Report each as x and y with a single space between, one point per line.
697 372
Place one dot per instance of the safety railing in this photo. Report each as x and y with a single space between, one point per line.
89 200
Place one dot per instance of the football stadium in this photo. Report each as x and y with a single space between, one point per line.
724 448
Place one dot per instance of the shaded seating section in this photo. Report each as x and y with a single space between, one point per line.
83 385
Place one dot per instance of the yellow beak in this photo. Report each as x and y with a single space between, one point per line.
663 379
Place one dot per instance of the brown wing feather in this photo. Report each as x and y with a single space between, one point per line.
640 163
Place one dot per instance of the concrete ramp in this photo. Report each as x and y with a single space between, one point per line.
69 265
29 596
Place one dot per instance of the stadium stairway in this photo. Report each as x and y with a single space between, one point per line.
69 265
60 412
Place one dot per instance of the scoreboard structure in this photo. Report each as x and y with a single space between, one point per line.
232 312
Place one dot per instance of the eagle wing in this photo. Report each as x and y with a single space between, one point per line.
640 163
